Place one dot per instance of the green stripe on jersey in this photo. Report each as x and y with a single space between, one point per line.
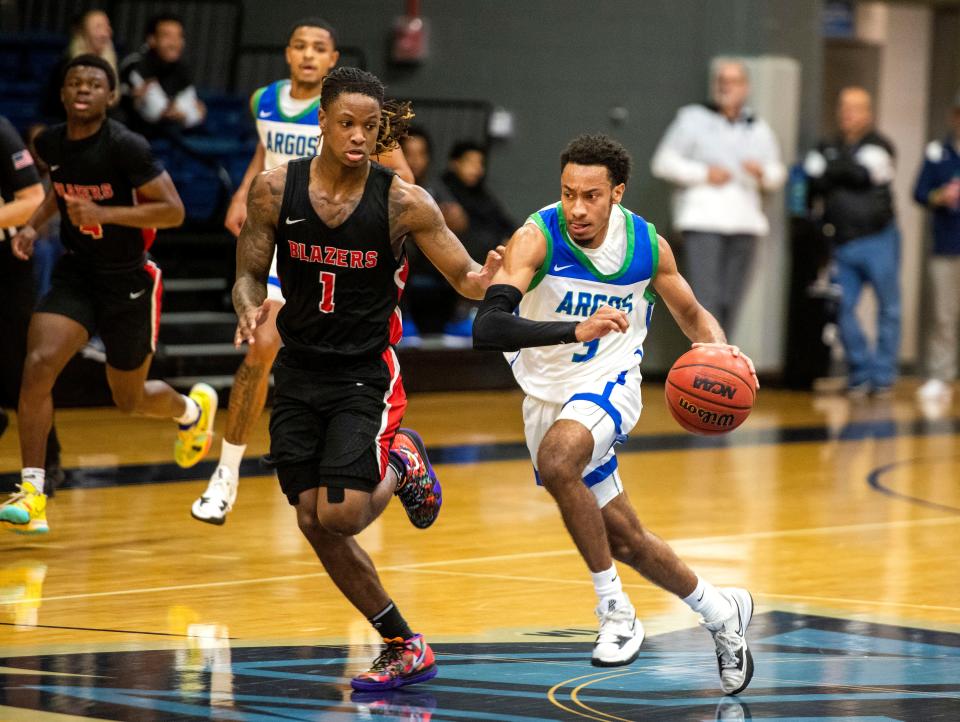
548 259
255 101
648 293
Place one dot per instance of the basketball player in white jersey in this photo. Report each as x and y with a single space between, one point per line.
583 274
286 116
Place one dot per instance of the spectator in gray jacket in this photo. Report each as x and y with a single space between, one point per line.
720 157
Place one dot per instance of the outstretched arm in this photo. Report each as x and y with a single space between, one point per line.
413 212
696 322
255 251
497 328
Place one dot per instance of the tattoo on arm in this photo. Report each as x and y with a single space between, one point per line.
257 239
413 212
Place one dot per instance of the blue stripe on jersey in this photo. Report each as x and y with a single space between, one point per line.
565 263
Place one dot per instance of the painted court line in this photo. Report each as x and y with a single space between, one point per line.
507 557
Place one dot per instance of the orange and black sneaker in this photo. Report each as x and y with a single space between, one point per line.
419 489
402 662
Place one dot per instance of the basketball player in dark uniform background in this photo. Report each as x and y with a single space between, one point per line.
112 196
21 192
338 222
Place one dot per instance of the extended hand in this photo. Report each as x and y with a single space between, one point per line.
236 215
489 269
734 351
606 319
83 212
754 169
22 243
717 176
250 319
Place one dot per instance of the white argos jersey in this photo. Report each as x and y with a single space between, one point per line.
285 136
569 287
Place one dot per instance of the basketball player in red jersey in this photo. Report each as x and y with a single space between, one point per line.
582 272
111 194
337 223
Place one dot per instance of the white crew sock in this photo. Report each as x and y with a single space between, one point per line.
709 603
231 455
609 589
192 413
35 476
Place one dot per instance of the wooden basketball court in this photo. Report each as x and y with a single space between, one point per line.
841 517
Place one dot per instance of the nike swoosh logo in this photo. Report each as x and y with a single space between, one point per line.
700 598
419 658
291 221
264 113
137 294
562 268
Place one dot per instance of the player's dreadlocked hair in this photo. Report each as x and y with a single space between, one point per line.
598 150
395 115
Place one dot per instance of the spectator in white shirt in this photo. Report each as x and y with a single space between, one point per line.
720 157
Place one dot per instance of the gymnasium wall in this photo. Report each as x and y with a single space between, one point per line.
560 67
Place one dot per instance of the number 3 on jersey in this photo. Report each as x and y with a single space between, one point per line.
327 282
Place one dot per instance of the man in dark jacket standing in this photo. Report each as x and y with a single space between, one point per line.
850 179
938 188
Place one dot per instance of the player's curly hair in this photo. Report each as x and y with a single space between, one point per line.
395 115
598 150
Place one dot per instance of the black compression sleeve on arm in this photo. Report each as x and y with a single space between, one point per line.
496 328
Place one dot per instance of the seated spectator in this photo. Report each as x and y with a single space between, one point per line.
157 84
417 150
90 33
475 216
469 209
428 300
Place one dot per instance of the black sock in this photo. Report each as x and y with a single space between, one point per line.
396 462
390 624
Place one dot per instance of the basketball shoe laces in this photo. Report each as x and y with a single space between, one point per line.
414 491
19 495
727 645
391 659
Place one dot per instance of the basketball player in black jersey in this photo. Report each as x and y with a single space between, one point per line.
339 222
112 196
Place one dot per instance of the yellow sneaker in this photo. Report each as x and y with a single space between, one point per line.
193 442
25 511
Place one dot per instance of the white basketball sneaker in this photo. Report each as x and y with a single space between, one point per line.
619 639
730 637
218 499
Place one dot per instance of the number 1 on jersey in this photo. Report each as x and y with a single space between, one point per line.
327 282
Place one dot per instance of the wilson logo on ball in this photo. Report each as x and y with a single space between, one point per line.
705 416
714 387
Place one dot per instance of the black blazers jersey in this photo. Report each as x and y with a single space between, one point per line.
341 285
107 168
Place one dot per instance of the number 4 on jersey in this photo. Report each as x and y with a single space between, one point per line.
92 231
327 282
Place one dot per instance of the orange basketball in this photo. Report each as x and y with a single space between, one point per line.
709 391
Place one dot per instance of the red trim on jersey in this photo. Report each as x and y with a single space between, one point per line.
396 320
394 405
149 234
156 297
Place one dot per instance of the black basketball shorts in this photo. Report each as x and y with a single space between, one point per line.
122 308
334 429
